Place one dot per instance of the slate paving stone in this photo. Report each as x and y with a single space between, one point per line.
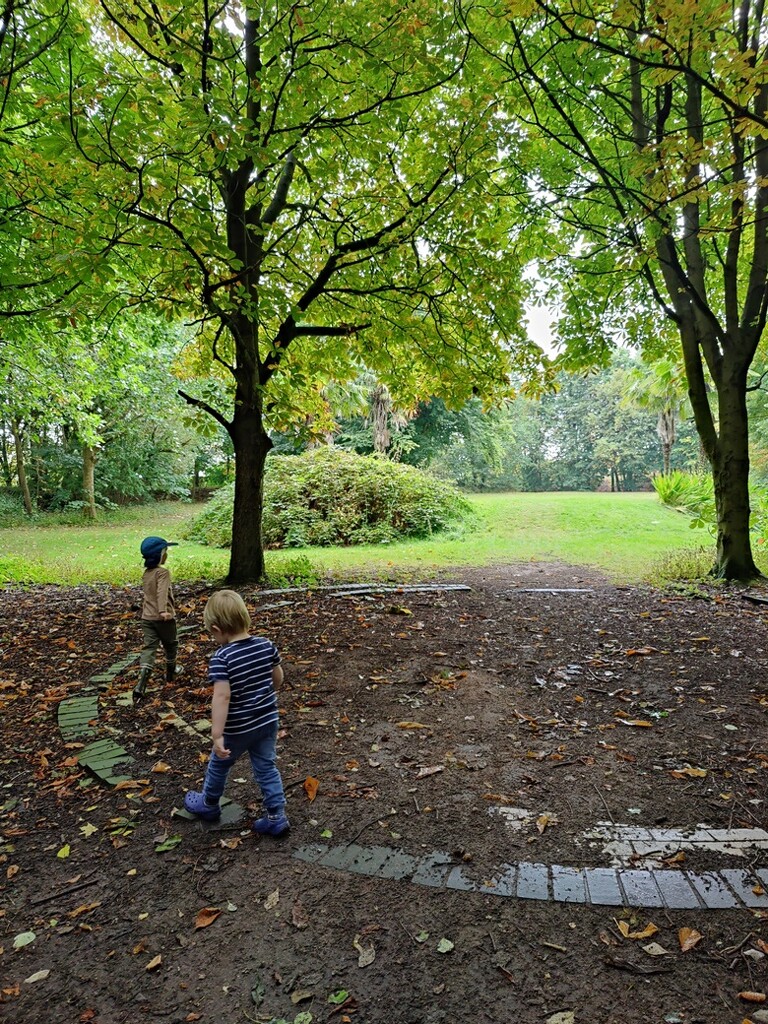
713 890
744 884
457 880
503 884
676 890
640 888
432 869
340 858
369 859
568 885
532 881
603 887
398 865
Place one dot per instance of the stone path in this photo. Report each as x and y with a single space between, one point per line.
727 889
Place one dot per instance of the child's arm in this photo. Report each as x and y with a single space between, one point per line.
163 590
219 712
277 675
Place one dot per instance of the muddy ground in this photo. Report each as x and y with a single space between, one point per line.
423 716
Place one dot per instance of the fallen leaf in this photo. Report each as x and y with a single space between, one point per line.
168 844
161 766
444 946
23 939
154 963
688 938
411 725
14 869
649 930
301 995
424 772
367 953
337 998
88 830
84 908
543 820
654 949
63 852
640 650
37 976
206 917
272 900
299 917
310 787
231 844
694 773
639 722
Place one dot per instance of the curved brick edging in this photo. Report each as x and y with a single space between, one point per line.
729 889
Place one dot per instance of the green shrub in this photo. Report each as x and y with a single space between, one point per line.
692 493
331 497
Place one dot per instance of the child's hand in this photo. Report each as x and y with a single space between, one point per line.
219 749
165 616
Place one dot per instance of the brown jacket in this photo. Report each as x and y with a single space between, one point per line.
158 594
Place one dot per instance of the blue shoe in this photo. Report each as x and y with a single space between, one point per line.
195 804
271 824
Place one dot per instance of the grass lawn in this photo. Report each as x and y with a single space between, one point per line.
626 535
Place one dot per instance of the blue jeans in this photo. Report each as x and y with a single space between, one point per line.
261 745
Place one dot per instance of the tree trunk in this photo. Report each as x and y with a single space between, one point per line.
89 487
21 469
730 471
6 462
252 445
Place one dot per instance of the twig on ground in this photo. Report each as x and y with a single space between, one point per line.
373 821
64 892
605 805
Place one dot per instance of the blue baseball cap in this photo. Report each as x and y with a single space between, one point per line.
152 548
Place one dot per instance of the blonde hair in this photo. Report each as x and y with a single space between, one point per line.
226 609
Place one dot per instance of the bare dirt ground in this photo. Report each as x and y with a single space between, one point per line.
421 714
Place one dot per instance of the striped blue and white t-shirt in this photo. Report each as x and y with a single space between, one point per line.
247 666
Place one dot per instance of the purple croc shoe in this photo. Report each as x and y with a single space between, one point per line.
195 804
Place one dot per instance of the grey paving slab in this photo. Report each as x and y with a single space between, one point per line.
457 880
340 858
568 885
369 859
603 887
432 869
310 853
398 865
744 883
532 881
640 888
713 890
676 890
502 884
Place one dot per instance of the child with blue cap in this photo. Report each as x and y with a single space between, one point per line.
158 613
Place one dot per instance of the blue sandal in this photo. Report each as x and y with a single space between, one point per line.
195 803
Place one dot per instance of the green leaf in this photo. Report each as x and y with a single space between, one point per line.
338 997
168 844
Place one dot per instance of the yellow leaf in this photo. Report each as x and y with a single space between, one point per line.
311 786
649 930
161 766
688 938
641 722
206 917
411 725
542 821
154 962
84 908
63 852
694 773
